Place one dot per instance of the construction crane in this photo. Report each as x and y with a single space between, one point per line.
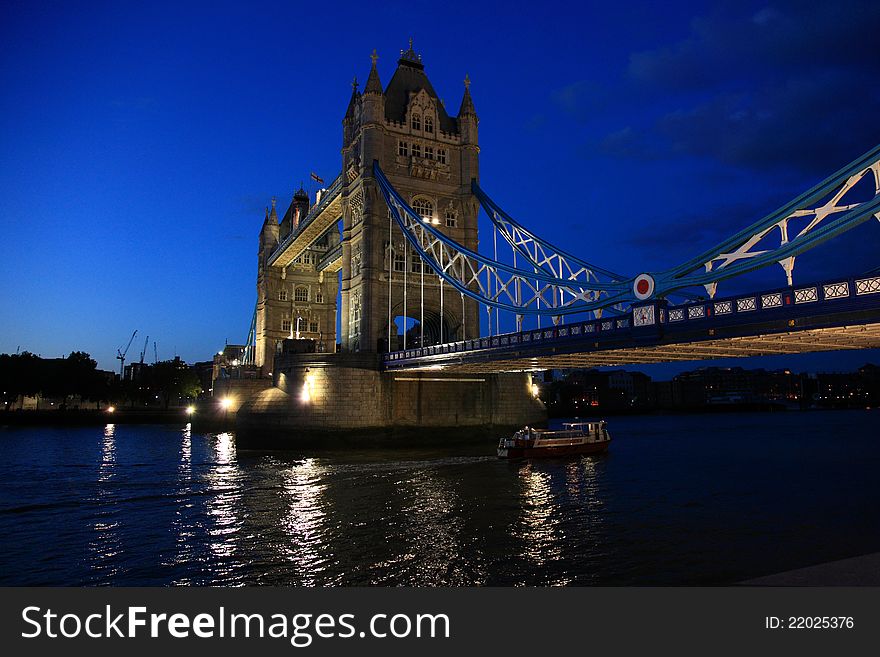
144 350
155 355
120 355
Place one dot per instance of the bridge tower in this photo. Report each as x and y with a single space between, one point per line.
431 158
298 299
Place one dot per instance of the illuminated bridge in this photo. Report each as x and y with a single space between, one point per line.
400 224
840 314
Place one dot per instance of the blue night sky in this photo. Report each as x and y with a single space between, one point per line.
140 144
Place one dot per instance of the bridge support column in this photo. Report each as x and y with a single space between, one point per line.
326 398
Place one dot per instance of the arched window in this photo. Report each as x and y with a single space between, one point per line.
450 218
301 294
429 124
356 259
416 122
424 208
399 260
319 296
282 294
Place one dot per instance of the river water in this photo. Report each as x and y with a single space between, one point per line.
691 499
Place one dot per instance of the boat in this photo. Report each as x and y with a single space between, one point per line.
575 438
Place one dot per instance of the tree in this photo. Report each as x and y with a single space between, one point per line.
173 379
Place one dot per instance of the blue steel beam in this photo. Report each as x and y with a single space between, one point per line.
654 332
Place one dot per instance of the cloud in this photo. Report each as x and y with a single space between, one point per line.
581 99
791 86
814 122
734 43
687 234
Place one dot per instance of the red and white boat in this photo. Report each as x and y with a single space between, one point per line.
575 438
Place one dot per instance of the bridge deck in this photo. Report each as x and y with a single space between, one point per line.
317 222
824 317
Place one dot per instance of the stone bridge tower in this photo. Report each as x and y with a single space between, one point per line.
297 300
430 157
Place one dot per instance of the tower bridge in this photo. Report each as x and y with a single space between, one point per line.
432 157
394 237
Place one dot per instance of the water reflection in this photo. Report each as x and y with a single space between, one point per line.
430 539
224 506
144 505
305 523
539 522
183 527
104 545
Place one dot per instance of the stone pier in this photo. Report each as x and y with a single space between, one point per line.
346 398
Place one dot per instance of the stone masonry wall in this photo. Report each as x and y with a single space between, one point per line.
324 393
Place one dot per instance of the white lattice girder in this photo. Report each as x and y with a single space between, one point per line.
819 214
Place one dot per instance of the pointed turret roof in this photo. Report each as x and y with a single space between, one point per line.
408 78
467 103
374 86
355 96
273 215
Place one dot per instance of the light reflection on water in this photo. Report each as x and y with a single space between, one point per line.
183 527
428 507
539 525
224 489
671 503
104 545
304 522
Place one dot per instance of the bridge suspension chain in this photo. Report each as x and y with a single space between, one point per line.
492 283
760 244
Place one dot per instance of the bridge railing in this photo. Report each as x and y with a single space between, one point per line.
839 293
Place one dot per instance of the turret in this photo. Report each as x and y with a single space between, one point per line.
373 104
269 234
349 121
373 98
467 126
467 116
301 206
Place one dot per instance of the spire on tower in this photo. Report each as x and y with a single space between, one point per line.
467 103
410 56
374 86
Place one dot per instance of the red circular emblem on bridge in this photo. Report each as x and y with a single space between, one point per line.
643 286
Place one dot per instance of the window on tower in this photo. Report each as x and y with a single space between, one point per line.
399 261
429 152
441 155
282 294
402 148
450 219
301 294
319 296
417 150
416 122
429 124
313 327
285 325
424 208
